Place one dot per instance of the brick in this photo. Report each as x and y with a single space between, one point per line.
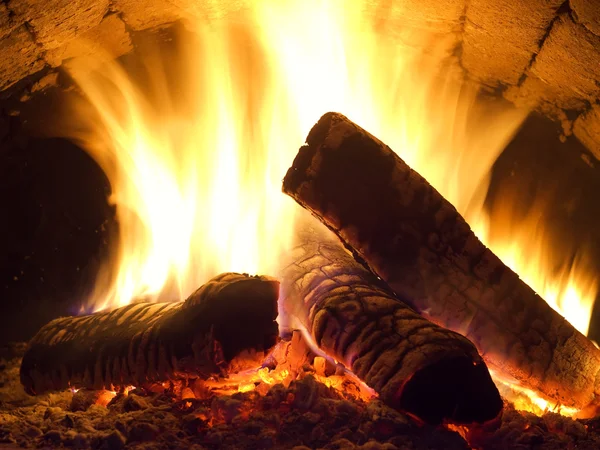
587 129
109 37
19 57
56 22
566 70
433 15
211 10
421 23
7 24
587 13
501 37
146 14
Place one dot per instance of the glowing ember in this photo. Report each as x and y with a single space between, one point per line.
263 379
196 170
105 397
290 364
248 380
524 399
268 377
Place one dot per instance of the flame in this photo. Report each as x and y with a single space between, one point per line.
526 243
195 144
105 397
524 399
195 160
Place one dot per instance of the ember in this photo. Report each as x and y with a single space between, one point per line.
305 413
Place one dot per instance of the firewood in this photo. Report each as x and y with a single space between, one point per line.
153 342
408 234
414 365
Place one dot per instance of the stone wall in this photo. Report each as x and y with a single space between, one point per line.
543 54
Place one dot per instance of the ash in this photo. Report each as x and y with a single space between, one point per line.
306 414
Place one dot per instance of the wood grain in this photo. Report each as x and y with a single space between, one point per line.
398 225
145 342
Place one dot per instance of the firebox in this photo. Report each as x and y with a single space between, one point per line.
299 224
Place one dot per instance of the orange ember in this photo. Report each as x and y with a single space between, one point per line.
293 360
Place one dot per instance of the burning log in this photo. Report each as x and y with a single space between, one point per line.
414 365
150 342
419 244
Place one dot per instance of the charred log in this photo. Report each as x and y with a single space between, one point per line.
414 365
150 342
414 239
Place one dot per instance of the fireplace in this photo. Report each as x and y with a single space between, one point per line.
160 289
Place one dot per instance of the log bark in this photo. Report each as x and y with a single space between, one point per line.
415 240
151 342
352 316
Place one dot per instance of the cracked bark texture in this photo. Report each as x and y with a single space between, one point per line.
144 342
414 365
417 242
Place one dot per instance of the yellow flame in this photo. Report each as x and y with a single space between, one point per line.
195 152
195 161
524 399
270 377
526 243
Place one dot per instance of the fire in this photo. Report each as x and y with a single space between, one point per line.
524 242
249 380
524 399
105 397
195 157
196 143
292 363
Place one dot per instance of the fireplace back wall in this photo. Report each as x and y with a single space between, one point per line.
540 53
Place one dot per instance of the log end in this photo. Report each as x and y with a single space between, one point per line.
455 390
244 316
296 174
236 312
303 161
230 314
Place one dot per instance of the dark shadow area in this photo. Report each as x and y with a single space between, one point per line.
53 232
455 390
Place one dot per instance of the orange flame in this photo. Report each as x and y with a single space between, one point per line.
196 170
525 244
196 161
524 399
